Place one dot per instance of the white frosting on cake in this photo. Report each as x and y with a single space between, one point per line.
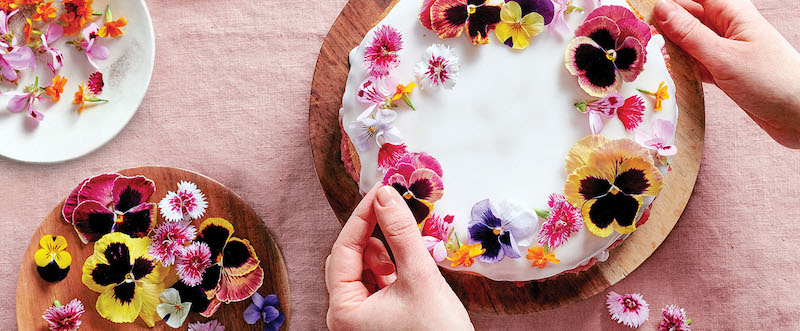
505 129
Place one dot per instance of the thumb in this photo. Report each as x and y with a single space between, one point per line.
402 233
687 31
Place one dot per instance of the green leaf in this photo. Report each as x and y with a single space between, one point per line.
542 213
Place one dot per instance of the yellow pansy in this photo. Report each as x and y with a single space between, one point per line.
516 30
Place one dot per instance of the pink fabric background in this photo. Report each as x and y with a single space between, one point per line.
240 116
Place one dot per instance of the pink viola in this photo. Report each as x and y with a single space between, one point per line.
418 178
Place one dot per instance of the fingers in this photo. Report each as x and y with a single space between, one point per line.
687 31
376 259
402 233
693 8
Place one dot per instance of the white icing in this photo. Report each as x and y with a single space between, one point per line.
504 130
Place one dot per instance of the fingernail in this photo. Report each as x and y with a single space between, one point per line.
664 10
386 196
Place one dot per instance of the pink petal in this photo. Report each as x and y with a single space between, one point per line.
430 242
439 252
71 202
597 23
21 57
129 192
669 150
98 188
7 71
663 129
34 113
18 101
53 33
595 122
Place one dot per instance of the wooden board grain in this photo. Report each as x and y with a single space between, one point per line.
477 293
35 295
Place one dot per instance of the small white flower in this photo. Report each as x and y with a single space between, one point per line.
173 307
371 130
187 201
439 69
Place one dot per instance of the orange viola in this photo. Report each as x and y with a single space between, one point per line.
466 254
56 88
44 11
539 257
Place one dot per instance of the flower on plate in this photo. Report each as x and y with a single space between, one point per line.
436 234
44 11
64 317
27 28
600 110
96 83
172 306
501 227
451 17
631 112
390 154
465 255
440 67
193 262
8 5
77 13
128 279
381 55
89 45
111 203
608 181
5 16
418 178
55 88
170 239
111 28
540 256
674 319
52 260
266 309
661 94
26 100
82 97
563 221
53 33
609 48
187 202
523 20
15 57
402 92
629 309
375 130
660 140
559 24
212 325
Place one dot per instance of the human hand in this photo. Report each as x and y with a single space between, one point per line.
744 55
411 296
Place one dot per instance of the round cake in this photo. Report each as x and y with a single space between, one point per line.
528 137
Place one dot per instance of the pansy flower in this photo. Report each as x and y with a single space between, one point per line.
170 239
608 181
381 55
523 20
629 309
540 256
436 234
128 279
375 130
266 309
440 67
64 317
418 178
673 318
563 221
451 17
187 202
93 50
660 140
193 262
111 203
466 254
52 260
172 306
609 48
501 227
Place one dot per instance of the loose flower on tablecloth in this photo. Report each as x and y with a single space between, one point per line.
501 227
172 306
52 260
418 179
266 309
522 20
187 202
629 309
562 221
449 18
674 319
64 317
439 69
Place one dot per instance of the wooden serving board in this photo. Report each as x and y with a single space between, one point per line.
34 295
477 293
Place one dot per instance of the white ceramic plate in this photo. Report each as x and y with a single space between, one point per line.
63 134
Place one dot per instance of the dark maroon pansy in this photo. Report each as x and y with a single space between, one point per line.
450 17
418 178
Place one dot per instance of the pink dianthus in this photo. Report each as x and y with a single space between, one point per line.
631 112
170 240
564 220
629 309
66 317
389 155
674 319
192 264
381 55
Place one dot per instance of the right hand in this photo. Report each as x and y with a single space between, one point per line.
744 55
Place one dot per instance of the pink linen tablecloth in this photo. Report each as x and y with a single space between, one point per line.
229 99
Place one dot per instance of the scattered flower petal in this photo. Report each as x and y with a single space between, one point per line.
660 140
96 83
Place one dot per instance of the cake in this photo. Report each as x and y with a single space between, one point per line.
528 137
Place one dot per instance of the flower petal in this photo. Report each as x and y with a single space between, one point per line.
170 296
98 188
120 304
239 257
597 75
579 153
237 288
71 202
252 314
480 22
92 220
630 59
601 30
215 232
138 221
129 192
448 18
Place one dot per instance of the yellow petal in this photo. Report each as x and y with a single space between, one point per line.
88 267
651 174
149 294
533 24
53 243
42 257
520 37
503 31
589 225
608 157
579 153
63 259
511 12
117 311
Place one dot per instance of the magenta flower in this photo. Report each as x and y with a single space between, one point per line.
53 33
562 221
96 83
4 18
389 155
89 45
659 141
435 234
381 54
170 240
212 325
418 178
559 24
373 92
17 58
440 67
674 319
629 309
193 262
631 112
601 110
66 317
188 202
26 100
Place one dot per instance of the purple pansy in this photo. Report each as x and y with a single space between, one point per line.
501 227
266 309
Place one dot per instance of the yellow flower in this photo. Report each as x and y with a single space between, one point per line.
465 254
661 94
402 91
44 11
112 28
516 27
539 257
53 249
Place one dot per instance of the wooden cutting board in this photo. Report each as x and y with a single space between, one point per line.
34 295
481 294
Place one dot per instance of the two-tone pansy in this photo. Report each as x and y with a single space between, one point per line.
501 227
111 203
52 260
449 18
436 235
608 181
522 20
128 279
418 178
609 48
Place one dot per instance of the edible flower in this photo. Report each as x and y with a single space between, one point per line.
631 112
44 11
128 279
600 110
661 94
96 83
52 260
212 325
26 100
26 30
266 309
53 33
418 179
402 92
523 20
381 54
389 155
77 13
661 139
170 239
19 57
559 24
376 93
540 256
465 254
187 202
375 130
451 17
630 309
440 67
436 235
172 306
562 221
501 227
93 50
674 319
111 28
5 16
193 262
608 181
64 318
8 5
81 98
55 89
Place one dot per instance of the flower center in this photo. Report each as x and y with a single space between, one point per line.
497 231
614 189
471 9
408 195
630 303
611 55
129 278
372 129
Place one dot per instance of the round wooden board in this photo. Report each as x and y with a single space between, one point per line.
34 295
477 293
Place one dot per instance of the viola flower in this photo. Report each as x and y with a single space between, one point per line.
435 234
373 131
170 240
96 83
77 13
187 202
212 325
89 45
44 11
563 221
173 307
418 179
608 181
112 203
559 24
600 110
128 279
523 20
52 260
540 256
389 155
661 94
609 48
55 88
674 319
629 309
266 309
465 254
631 112
659 141
402 92
53 33
111 28
64 318
193 262
450 17
381 54
26 100
439 69
501 227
